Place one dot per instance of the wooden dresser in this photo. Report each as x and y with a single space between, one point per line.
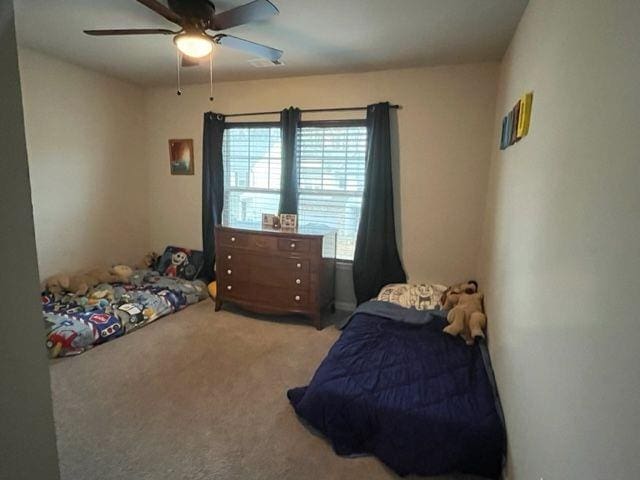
275 271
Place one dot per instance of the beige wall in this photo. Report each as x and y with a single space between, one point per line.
442 139
27 438
561 255
85 138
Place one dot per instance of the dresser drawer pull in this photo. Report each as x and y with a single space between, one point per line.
233 239
229 272
229 287
298 281
293 244
297 298
228 257
298 265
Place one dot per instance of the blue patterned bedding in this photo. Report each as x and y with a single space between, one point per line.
395 386
76 323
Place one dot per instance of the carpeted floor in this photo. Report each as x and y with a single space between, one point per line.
196 395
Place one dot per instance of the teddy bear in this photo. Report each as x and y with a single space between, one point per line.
452 294
466 315
121 273
81 283
57 284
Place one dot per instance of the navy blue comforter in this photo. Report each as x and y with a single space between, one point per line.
421 401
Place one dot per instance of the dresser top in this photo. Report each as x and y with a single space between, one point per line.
301 230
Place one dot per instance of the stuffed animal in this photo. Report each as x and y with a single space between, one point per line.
99 298
452 294
102 275
81 283
57 284
466 315
148 261
213 289
121 273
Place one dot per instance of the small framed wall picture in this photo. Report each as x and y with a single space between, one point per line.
288 221
181 156
515 124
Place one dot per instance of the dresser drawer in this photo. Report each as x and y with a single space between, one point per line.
232 271
233 239
228 258
230 288
267 295
263 243
292 300
286 279
294 245
284 298
296 265
250 241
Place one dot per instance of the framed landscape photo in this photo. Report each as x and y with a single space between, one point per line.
181 156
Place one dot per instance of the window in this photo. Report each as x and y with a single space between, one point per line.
331 158
332 166
251 157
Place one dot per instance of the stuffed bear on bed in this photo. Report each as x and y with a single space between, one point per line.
466 313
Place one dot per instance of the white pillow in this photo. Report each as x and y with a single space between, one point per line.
423 296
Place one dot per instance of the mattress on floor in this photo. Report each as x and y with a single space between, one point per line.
74 323
422 401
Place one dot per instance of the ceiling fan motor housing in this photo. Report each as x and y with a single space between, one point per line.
199 13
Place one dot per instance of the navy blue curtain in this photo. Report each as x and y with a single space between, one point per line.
212 187
289 121
376 261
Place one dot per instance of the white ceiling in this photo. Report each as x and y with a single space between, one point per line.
317 36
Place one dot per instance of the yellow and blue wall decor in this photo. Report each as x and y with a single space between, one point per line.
515 125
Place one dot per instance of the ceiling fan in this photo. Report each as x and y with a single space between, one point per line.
196 18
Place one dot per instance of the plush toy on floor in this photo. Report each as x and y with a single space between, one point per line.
466 315
57 284
213 289
148 261
81 283
121 273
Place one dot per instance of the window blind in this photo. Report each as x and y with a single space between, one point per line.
331 180
251 159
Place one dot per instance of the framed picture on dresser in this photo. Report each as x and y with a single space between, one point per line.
269 220
288 221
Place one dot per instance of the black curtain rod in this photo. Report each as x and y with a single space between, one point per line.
312 110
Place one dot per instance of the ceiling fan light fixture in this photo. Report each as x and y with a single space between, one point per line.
195 45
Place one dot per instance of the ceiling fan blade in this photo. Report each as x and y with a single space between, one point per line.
250 12
135 31
189 62
161 9
272 54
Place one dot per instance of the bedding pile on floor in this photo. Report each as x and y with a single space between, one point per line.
395 386
76 323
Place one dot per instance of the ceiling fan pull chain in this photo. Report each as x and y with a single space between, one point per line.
211 76
179 61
